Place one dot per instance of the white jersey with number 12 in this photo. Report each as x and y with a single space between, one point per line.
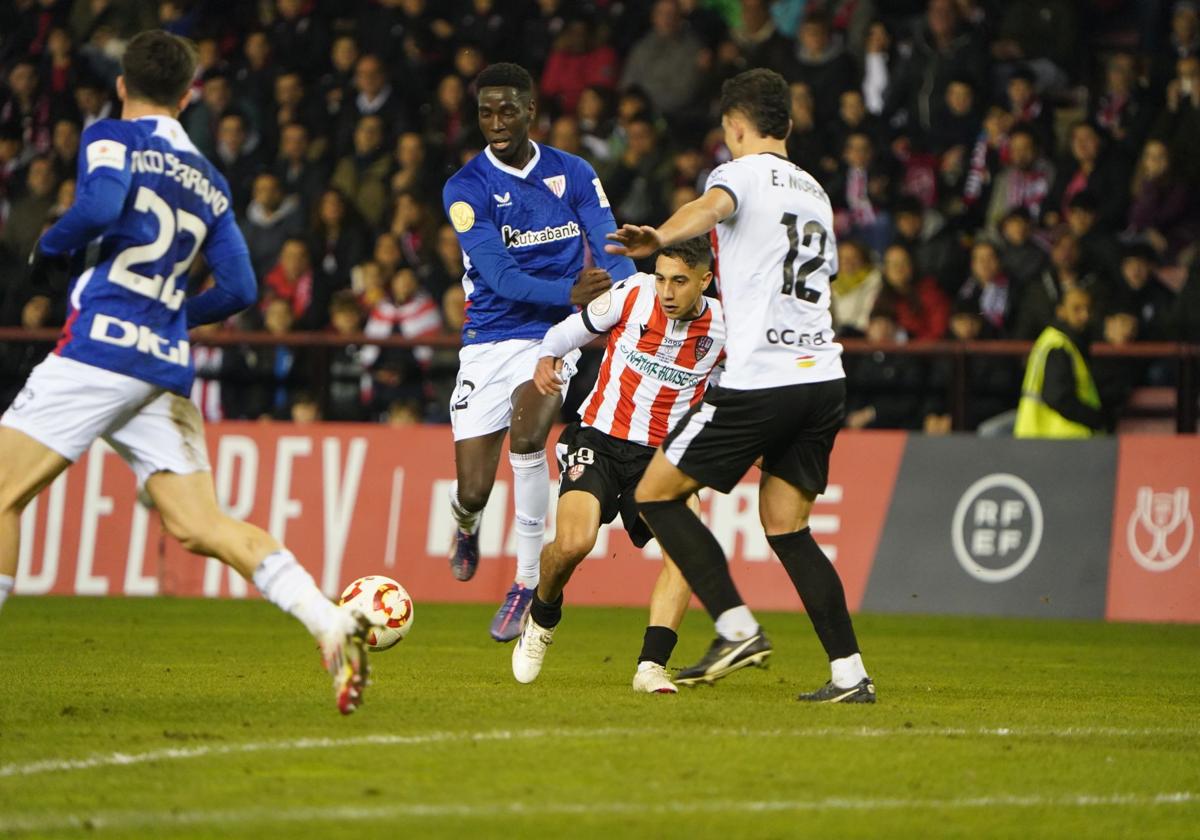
776 258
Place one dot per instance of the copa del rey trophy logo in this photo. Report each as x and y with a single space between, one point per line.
1160 529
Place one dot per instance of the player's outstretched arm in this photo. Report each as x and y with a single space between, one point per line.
574 331
99 195
692 219
235 287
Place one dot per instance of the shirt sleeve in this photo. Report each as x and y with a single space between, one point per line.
733 179
600 316
104 180
235 287
1058 390
484 246
594 210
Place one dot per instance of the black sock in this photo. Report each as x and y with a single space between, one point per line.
695 551
820 589
657 644
546 615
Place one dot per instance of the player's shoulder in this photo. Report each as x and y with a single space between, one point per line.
565 161
111 129
469 182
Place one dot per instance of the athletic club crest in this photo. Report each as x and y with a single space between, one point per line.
703 345
574 471
557 184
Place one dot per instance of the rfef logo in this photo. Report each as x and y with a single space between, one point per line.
1160 529
997 528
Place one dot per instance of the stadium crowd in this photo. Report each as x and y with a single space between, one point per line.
982 157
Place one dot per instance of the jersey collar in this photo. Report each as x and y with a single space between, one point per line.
170 130
512 170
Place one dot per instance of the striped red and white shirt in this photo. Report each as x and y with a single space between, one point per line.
654 368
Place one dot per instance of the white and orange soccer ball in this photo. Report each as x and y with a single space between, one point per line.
386 605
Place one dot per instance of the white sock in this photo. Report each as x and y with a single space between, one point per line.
289 586
467 520
848 671
531 497
6 586
737 624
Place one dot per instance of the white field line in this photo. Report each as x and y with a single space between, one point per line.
127 820
121 759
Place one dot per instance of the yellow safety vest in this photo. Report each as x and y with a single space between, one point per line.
1035 419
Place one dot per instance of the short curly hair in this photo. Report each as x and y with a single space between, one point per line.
693 252
762 96
505 74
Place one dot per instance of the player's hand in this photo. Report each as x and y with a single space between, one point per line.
592 283
546 378
634 241
46 273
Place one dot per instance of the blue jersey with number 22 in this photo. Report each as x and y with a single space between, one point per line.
128 307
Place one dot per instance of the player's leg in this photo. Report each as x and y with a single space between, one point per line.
713 445
668 603
29 467
164 445
480 410
794 474
576 525
532 416
475 462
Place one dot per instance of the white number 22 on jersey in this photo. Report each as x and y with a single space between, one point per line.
158 287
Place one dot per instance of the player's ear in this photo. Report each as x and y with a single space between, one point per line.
791 125
706 281
184 101
121 88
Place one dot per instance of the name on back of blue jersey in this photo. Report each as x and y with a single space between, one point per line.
189 177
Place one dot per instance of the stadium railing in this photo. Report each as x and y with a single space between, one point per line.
1183 358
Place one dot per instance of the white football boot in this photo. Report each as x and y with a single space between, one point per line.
653 679
530 650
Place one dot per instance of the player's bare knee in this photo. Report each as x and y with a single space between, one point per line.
473 497
573 546
526 443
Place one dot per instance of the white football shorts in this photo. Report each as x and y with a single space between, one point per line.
488 374
65 405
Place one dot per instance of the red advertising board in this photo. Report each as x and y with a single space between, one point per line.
351 500
1154 573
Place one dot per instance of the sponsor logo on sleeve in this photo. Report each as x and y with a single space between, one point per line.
600 196
462 216
601 305
106 153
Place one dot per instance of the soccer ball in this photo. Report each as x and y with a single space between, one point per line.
386 605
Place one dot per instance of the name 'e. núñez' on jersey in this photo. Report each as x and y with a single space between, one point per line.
524 235
776 258
129 311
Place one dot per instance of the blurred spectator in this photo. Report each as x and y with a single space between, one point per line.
443 364
1119 109
1042 33
855 289
255 74
291 278
1139 293
877 66
636 183
29 212
486 25
446 269
992 382
861 193
450 121
236 158
337 239
758 41
1117 377
414 229
595 123
1184 42
665 61
934 246
271 219
1024 183
576 63
540 31
304 409
298 172
966 173
412 173
348 392
1040 299
293 106
807 144
1020 257
1098 252
334 85
884 390
1027 108
371 95
94 103
298 34
270 376
1089 169
214 368
363 176
27 107
853 117
1163 210
1178 124
65 148
822 62
18 358
369 285
408 311
956 123
918 306
201 119
942 49
987 291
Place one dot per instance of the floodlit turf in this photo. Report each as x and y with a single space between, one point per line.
182 718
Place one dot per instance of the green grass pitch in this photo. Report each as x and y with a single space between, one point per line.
188 718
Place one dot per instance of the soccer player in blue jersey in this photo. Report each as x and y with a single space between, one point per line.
147 203
526 215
